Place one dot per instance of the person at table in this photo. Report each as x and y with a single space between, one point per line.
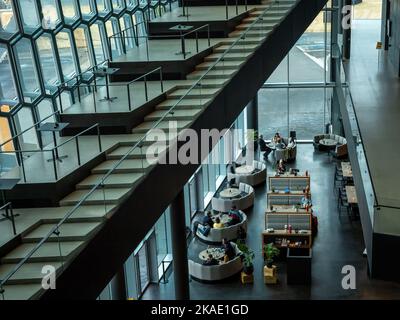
291 143
218 224
306 201
207 221
228 248
262 143
281 167
235 216
277 138
211 261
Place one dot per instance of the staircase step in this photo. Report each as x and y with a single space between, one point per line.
222 65
163 125
194 93
183 104
102 196
263 26
260 34
80 231
22 291
228 57
117 180
136 153
239 47
211 74
47 252
28 273
177 114
126 166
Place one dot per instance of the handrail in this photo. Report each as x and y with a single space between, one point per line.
62 84
165 36
26 130
127 85
363 147
139 144
53 149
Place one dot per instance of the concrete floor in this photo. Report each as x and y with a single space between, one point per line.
376 94
339 242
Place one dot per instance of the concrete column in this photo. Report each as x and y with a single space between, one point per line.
118 289
179 249
347 36
252 114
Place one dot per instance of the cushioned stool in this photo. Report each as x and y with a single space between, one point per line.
270 275
246 278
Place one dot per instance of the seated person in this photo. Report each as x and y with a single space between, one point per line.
291 143
229 250
262 143
306 201
277 138
207 221
211 261
235 216
281 167
218 224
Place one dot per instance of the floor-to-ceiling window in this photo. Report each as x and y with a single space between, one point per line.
297 96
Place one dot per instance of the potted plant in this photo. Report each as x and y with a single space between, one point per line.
252 136
270 252
247 258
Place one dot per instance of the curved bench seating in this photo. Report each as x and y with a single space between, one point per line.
257 177
219 272
229 232
241 203
341 148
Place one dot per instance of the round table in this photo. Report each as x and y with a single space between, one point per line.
246 169
217 253
230 193
328 143
224 218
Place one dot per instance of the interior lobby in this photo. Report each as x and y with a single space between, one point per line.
199 150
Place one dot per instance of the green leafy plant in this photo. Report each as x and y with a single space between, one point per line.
247 253
270 252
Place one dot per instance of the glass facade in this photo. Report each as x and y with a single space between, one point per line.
155 251
297 96
58 40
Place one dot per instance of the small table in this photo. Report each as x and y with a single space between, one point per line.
246 169
54 127
230 193
217 253
328 143
351 195
181 28
223 217
346 169
106 72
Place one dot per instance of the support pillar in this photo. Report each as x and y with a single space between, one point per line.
252 114
118 288
179 248
347 34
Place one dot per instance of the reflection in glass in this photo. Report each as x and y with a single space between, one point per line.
30 15
82 46
27 68
8 25
7 85
47 60
69 10
64 44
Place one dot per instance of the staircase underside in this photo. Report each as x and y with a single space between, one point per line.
127 204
